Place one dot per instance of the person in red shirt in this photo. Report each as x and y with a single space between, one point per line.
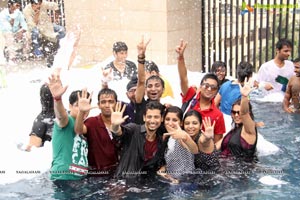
102 151
201 100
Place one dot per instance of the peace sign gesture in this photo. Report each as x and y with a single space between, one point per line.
181 48
142 46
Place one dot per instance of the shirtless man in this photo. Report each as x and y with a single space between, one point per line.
291 101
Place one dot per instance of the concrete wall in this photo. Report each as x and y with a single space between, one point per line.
164 21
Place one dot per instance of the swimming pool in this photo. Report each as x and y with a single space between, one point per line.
236 181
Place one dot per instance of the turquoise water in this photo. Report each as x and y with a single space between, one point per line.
235 181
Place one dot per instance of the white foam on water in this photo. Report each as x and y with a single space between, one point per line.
269 180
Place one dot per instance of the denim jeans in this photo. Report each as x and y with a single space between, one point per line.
35 35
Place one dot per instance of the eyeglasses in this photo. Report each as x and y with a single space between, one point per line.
220 70
207 85
234 112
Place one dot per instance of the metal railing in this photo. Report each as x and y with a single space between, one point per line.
235 31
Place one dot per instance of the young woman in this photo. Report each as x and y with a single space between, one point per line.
242 139
179 148
206 159
186 149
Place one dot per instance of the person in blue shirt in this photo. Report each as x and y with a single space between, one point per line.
14 30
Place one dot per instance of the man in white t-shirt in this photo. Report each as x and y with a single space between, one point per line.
273 75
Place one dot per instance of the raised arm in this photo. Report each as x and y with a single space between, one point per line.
206 142
184 84
57 90
140 89
248 122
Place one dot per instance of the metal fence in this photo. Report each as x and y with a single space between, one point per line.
235 31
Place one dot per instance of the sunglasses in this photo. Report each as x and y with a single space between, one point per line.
234 112
207 85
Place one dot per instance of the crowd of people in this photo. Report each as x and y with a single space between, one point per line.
146 137
30 33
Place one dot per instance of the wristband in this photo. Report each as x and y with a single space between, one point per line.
57 98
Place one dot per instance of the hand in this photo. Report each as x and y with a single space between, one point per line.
247 88
106 75
141 47
181 48
55 86
117 115
268 86
176 133
209 128
84 102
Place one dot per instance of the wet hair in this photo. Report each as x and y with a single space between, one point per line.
46 98
193 113
216 65
107 91
283 42
119 46
150 66
153 105
244 69
210 76
11 2
296 60
36 1
174 109
238 102
73 98
155 77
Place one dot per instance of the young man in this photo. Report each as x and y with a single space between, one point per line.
273 75
39 24
153 86
293 91
120 67
69 149
142 145
152 69
230 90
130 108
202 101
103 155
14 29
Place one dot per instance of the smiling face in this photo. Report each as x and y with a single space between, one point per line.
209 88
121 56
153 119
192 125
221 73
154 89
235 114
172 121
297 68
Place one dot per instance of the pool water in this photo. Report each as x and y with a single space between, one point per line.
235 180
